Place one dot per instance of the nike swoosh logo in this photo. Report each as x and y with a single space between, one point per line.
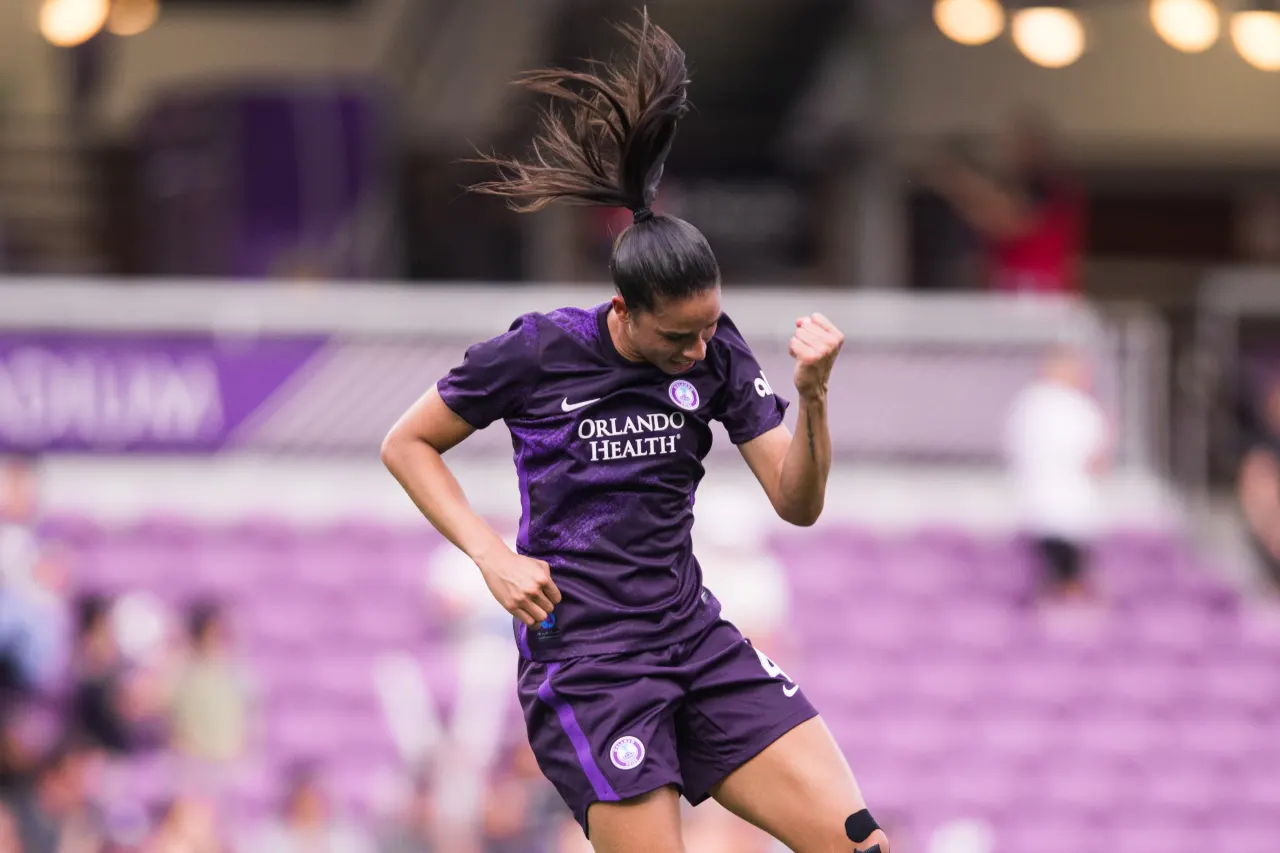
566 406
791 691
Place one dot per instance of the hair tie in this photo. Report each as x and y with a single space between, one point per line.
642 215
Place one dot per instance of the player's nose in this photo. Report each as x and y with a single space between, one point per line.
697 352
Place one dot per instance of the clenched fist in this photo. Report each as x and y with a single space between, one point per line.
814 346
522 585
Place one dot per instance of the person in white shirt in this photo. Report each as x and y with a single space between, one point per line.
1058 445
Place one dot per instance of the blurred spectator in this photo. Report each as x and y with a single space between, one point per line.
189 825
479 641
522 809
1057 442
1258 483
306 825
10 841
111 705
35 625
210 696
26 734
54 813
1031 222
413 830
96 699
19 506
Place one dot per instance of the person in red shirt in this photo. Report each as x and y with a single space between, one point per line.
1031 225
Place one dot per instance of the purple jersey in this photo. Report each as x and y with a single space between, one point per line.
609 454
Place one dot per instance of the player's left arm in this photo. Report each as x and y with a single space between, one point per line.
793 469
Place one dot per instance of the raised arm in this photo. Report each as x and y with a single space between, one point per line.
412 452
987 207
793 469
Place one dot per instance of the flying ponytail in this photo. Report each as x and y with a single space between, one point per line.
609 148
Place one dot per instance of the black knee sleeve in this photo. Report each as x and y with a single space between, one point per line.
859 826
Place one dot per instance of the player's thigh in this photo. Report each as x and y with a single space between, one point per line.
739 702
649 823
800 790
601 729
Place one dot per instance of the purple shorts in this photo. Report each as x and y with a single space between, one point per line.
608 727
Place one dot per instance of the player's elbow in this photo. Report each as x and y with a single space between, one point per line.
801 515
804 520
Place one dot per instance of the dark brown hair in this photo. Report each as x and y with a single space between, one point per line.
609 148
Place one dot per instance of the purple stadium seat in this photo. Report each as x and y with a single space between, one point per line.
954 687
984 629
1157 834
1042 833
1183 631
1034 739
1260 786
1048 685
1085 790
971 791
1084 633
1243 837
1119 740
1226 743
1259 630
1150 685
1247 687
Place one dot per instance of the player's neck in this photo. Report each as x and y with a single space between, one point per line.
621 340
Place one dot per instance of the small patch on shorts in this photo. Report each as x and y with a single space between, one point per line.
627 752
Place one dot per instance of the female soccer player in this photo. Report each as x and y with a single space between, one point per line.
634 690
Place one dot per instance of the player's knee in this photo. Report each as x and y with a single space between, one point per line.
867 836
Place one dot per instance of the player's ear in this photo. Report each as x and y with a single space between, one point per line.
619 306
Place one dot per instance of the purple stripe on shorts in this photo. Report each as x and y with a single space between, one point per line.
581 746
522 640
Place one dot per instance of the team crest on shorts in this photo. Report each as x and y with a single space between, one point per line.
684 395
626 753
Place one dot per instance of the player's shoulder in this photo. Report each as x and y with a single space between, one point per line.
581 324
538 327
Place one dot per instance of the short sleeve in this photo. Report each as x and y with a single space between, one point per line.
748 406
495 376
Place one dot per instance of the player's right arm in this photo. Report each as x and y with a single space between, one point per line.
413 453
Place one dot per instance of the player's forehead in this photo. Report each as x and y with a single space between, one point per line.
688 315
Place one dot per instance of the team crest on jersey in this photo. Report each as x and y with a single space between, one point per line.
684 395
627 752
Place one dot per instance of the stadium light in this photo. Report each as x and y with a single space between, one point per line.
131 17
67 23
1050 36
1256 33
1191 26
969 22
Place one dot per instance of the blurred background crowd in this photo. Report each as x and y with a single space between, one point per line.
1041 607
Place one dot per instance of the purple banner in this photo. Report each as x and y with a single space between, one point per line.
122 393
321 395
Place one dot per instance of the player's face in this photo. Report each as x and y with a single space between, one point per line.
674 335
